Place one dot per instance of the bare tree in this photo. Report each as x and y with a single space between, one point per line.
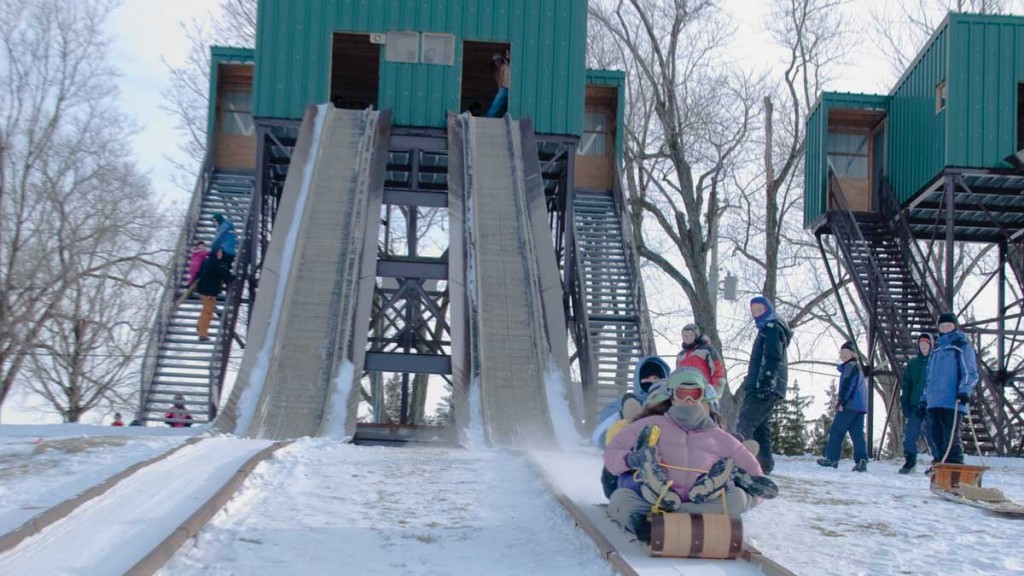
233 24
904 27
688 118
72 208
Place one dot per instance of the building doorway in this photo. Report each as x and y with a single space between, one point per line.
479 71
355 71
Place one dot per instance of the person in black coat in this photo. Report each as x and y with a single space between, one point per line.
208 286
766 381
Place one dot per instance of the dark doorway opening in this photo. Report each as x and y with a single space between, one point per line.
355 71
479 75
1020 117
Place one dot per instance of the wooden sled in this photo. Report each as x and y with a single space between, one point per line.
961 483
708 536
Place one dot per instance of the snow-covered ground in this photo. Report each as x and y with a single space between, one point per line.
323 507
41 466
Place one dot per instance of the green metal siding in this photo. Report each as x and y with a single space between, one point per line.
220 55
986 63
616 78
816 146
548 39
917 134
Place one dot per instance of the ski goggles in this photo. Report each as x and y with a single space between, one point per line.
690 394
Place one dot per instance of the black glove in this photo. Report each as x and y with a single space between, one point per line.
636 459
922 409
765 388
963 397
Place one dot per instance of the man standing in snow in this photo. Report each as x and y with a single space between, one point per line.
910 397
950 379
766 381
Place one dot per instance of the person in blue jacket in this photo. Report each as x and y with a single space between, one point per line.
950 379
851 408
766 381
648 372
224 244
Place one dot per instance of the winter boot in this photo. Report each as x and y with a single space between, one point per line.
709 486
655 487
910 464
755 485
861 466
826 463
640 526
631 408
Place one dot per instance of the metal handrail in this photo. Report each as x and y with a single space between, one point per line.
178 265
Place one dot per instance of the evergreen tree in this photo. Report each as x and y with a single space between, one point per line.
393 399
789 426
819 433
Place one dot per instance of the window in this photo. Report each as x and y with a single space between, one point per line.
940 97
236 114
595 134
402 47
438 49
848 155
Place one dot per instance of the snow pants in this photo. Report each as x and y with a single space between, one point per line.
946 423
755 422
913 429
209 304
847 422
625 502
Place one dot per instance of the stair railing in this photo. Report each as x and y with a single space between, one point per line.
172 284
643 320
232 304
877 297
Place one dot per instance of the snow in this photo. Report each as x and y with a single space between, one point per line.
334 427
383 511
558 407
321 506
249 401
41 466
475 437
109 534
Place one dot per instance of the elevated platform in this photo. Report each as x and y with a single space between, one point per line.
988 206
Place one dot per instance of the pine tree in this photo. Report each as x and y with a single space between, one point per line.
819 433
393 399
789 426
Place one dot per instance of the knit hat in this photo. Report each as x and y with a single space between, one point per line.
947 317
926 336
219 218
659 393
691 327
849 345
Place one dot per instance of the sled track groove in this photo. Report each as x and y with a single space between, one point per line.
607 550
159 555
37 523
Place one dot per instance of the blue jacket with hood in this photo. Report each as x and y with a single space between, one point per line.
769 367
952 369
610 413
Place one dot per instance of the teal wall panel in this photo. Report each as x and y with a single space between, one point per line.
986 65
548 39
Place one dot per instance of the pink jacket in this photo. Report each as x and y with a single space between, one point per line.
195 263
677 446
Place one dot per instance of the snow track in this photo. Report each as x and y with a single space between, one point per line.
113 533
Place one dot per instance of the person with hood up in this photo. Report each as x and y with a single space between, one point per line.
851 408
615 415
766 381
910 396
679 460
648 371
224 245
118 421
950 379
